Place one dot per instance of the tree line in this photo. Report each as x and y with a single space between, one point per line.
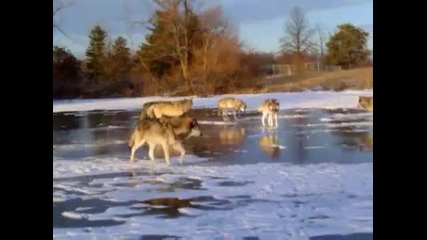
189 52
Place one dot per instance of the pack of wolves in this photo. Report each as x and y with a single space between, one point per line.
168 124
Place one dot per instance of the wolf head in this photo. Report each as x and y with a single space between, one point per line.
195 129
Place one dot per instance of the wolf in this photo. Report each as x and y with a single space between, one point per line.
166 108
269 107
366 103
229 103
146 105
167 132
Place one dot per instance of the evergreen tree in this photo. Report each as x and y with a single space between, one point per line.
120 59
66 73
96 54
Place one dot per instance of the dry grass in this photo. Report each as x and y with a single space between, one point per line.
357 79
361 78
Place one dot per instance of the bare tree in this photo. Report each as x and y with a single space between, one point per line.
298 34
321 44
59 5
217 34
176 23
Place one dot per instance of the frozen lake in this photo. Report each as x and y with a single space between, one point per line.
311 178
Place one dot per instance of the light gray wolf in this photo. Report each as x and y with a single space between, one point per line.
230 104
269 107
158 109
366 103
167 132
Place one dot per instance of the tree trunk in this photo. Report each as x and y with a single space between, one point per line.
184 62
205 64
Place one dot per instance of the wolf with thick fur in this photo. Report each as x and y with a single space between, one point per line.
366 103
230 104
167 132
145 106
166 108
269 108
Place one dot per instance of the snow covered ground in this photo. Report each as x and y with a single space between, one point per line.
345 99
103 197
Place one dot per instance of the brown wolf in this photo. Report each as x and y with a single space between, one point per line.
158 109
226 104
146 105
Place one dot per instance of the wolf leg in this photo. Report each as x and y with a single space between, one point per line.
275 118
234 114
263 119
134 148
151 147
224 115
178 147
272 121
166 152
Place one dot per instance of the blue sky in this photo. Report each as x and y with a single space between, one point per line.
260 22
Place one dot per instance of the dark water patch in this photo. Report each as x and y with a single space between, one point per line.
91 206
354 236
234 184
343 111
169 207
318 217
160 237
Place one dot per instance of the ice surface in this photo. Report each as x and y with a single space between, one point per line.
321 99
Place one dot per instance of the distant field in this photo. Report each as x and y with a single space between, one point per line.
357 79
361 78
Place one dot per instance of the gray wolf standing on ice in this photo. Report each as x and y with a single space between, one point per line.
158 109
366 103
270 107
167 132
226 104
